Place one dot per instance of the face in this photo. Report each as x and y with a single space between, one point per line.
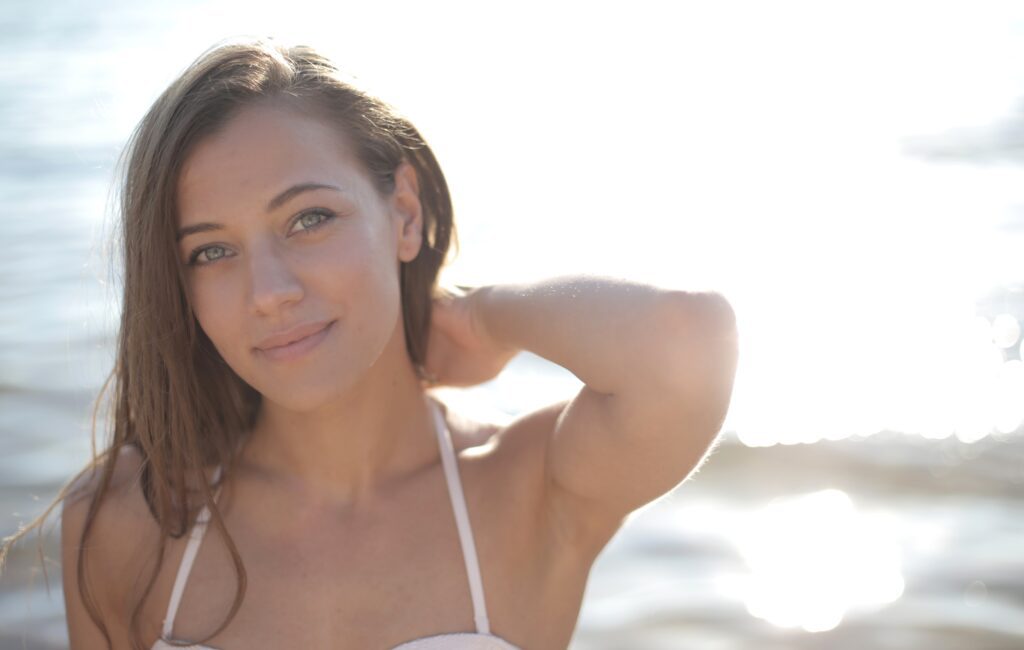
292 255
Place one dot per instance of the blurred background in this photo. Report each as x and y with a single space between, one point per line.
848 174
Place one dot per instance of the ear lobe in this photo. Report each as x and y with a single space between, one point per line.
406 206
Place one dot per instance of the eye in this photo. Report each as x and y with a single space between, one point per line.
210 254
313 219
309 220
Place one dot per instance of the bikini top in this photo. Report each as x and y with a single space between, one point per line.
482 639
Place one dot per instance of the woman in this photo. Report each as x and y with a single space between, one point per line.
278 475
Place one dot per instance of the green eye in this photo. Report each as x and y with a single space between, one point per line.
314 218
211 253
309 221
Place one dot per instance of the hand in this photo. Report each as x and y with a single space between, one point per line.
459 350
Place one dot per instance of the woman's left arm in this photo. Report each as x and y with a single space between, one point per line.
658 368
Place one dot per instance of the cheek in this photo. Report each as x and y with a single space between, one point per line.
363 293
350 272
216 313
359 285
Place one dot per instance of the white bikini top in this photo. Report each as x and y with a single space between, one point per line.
482 639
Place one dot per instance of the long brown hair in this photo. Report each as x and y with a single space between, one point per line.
170 394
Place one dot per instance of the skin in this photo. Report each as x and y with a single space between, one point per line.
339 424
339 507
343 465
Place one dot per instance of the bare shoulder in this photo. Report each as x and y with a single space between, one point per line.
528 432
468 430
121 539
124 509
572 523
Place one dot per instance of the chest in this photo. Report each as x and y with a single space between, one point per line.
379 580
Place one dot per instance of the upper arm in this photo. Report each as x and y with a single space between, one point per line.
609 454
106 568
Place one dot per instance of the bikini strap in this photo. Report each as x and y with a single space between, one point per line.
451 473
191 549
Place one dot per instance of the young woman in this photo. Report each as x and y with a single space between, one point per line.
279 475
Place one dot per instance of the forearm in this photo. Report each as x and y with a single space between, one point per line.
610 333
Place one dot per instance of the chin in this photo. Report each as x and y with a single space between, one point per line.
305 396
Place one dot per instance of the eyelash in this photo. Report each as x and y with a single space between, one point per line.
193 258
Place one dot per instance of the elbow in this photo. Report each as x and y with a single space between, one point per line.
704 315
691 322
697 350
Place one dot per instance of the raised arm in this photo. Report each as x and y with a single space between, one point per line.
658 368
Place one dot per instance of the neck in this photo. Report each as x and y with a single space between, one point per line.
348 452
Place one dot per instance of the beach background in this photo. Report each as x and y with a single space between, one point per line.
849 175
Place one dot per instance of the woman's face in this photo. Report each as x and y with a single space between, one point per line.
285 238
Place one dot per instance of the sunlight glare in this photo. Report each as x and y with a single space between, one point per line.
1009 397
1005 330
814 557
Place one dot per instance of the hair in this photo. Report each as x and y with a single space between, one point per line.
170 394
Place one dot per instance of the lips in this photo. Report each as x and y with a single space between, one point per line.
294 342
291 335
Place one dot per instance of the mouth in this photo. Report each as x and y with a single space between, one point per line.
297 348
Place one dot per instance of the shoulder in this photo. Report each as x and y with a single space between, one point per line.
122 538
505 455
515 453
472 425
516 444
523 446
468 429
529 432
513 459
122 504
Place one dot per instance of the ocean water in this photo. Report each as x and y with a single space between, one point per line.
877 540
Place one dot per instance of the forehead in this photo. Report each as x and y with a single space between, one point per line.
260 151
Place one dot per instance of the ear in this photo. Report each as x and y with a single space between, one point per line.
407 211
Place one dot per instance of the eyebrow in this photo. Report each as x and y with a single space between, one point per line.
274 204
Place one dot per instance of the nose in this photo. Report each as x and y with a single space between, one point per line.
273 282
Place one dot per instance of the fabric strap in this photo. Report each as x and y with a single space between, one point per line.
191 549
451 472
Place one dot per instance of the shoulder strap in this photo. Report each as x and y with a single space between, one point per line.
191 549
451 473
